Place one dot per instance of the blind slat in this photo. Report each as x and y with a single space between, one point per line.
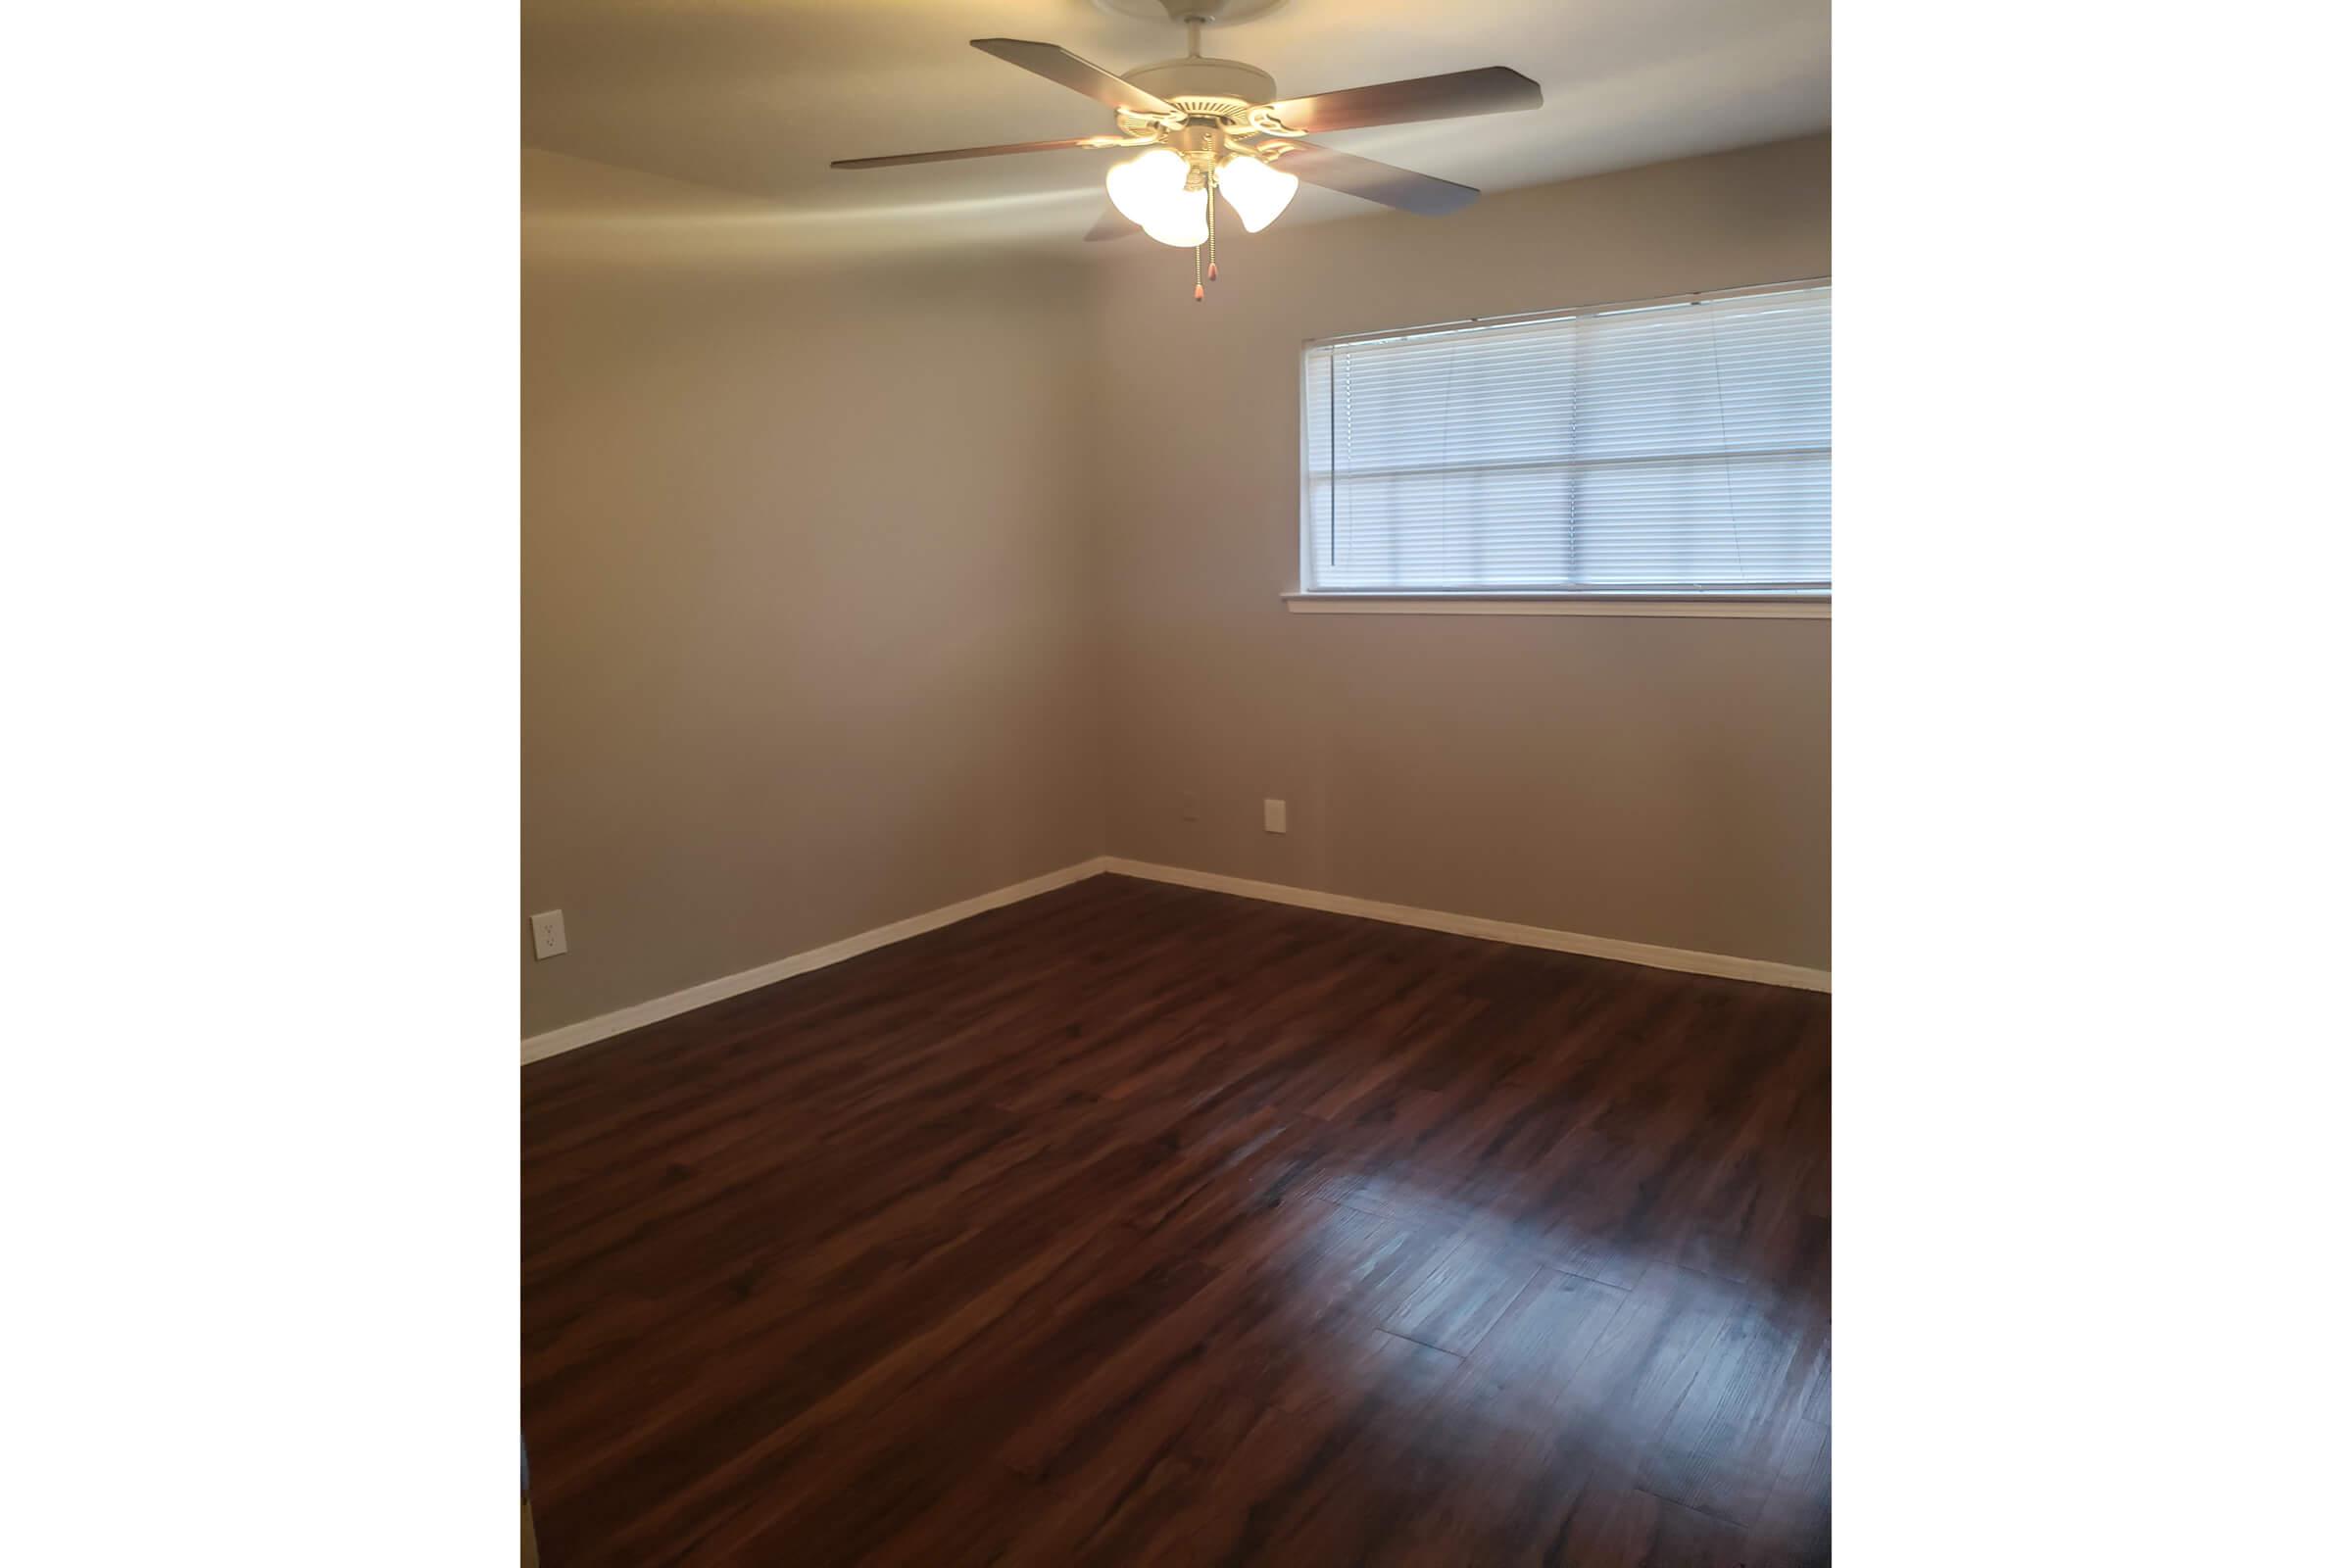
1684 447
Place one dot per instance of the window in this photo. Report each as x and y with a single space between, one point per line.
1665 449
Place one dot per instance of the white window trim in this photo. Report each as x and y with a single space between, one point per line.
1698 607
1724 605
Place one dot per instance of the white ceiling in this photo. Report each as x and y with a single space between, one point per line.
739 105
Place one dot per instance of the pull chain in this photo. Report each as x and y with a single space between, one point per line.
1209 194
1212 225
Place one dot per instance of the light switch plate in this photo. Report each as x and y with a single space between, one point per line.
547 934
1278 817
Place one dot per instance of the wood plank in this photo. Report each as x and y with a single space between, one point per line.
1139 1224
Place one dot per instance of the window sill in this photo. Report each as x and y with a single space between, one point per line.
1710 606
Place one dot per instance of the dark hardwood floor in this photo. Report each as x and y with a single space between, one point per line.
1140 1225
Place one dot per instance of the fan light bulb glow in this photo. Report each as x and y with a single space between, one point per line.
1149 190
1255 190
1184 221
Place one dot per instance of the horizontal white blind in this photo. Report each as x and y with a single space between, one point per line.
1676 448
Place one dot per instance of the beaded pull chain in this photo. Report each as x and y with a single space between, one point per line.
1198 292
1212 225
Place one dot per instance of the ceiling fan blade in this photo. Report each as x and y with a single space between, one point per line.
1373 181
1056 63
978 152
1112 225
1491 90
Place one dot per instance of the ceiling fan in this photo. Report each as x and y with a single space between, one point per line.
1214 128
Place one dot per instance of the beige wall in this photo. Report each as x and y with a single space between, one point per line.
1662 781
807 614
850 593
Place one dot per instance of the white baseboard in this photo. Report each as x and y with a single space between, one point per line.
572 1036
1471 925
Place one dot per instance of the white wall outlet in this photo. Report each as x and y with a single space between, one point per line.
1278 817
547 934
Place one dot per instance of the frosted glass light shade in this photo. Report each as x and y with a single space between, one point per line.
1255 190
1184 221
1149 189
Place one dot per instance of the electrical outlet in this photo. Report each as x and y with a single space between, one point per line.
1278 817
1188 807
547 934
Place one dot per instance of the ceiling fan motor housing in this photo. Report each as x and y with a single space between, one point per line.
1224 13
1219 88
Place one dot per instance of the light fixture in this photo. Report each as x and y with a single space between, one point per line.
1150 191
1166 195
1255 189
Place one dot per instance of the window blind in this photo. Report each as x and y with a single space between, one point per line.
1667 448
